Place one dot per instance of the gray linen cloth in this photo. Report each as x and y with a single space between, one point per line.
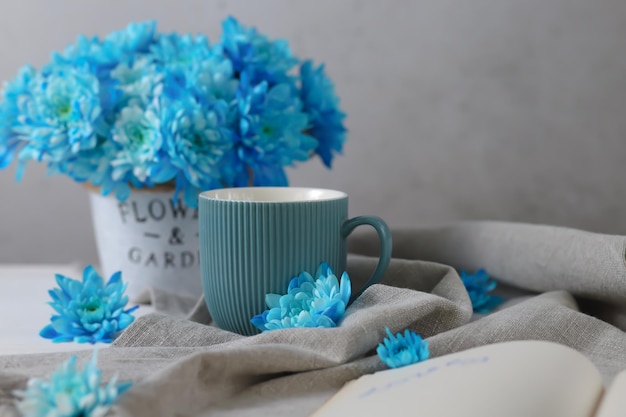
562 285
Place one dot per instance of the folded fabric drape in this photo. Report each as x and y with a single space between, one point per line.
180 364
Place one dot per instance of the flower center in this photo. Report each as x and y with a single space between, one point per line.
62 105
64 110
136 134
399 349
267 130
197 140
91 307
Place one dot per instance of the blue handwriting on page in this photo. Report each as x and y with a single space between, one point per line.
423 372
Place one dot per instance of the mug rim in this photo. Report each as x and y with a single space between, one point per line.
286 194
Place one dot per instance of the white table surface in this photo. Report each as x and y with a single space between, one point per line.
24 310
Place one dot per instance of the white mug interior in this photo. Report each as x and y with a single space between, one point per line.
273 194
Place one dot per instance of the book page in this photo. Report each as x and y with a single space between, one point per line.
614 401
512 379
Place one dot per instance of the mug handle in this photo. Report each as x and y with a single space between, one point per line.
384 235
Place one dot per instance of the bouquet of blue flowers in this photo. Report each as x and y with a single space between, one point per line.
140 108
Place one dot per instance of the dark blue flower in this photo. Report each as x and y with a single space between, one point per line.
402 350
70 392
254 54
271 127
319 302
478 286
89 311
322 106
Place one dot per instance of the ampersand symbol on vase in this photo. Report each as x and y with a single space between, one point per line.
176 238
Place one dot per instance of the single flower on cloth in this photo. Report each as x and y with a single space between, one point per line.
88 311
402 350
319 302
70 392
478 286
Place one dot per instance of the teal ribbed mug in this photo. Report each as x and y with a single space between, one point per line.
254 240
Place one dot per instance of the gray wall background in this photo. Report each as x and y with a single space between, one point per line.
483 109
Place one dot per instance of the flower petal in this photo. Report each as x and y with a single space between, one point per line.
309 302
88 311
69 392
48 332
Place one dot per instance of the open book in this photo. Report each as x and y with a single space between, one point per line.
511 379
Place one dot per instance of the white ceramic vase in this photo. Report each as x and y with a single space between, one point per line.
151 239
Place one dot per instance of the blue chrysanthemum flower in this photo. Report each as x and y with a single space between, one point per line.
13 93
135 38
196 140
93 166
70 392
402 349
59 115
101 56
8 143
89 311
138 82
179 53
478 286
138 132
254 54
87 52
319 302
212 79
322 106
271 129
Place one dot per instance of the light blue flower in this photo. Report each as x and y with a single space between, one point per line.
59 115
319 302
254 54
89 311
271 129
135 38
138 82
478 286
138 132
402 350
70 392
179 53
13 93
196 140
87 52
93 166
212 79
322 106
101 56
